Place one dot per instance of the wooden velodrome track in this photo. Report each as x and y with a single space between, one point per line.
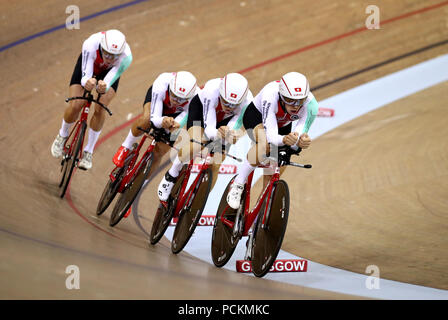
349 212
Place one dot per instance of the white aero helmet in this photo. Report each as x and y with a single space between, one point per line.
233 88
113 41
183 85
294 85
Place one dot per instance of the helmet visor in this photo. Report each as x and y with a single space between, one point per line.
177 99
292 102
227 104
108 55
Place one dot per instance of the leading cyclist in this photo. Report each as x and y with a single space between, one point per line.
269 120
104 58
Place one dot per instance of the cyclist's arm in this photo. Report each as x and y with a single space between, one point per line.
118 70
237 121
88 59
157 108
304 124
271 126
210 120
182 119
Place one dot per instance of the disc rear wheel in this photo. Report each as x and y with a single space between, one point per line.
128 196
268 238
165 214
191 212
224 241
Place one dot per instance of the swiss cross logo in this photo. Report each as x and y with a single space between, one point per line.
182 89
298 89
233 95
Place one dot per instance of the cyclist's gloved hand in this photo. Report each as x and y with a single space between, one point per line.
101 87
90 84
291 138
304 141
167 122
174 127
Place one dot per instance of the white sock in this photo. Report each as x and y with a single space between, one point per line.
245 171
176 167
65 128
130 140
91 142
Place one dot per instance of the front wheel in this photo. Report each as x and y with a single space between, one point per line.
110 190
128 196
191 212
165 214
269 237
69 163
223 240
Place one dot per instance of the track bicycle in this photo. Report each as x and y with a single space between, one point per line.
186 205
72 151
129 179
267 221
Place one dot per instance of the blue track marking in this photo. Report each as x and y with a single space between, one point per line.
62 26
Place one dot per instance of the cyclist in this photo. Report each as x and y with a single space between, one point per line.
104 58
215 113
269 119
166 106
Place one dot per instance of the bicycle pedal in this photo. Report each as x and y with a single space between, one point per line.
81 168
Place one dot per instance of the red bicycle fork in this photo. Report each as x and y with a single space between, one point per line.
76 129
133 168
250 216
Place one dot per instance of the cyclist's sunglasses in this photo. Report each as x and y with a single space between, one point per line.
292 102
177 99
108 55
227 104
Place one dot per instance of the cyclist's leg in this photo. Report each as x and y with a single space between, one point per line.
253 123
254 155
185 154
268 172
96 124
97 120
99 115
71 113
143 122
187 149
74 107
